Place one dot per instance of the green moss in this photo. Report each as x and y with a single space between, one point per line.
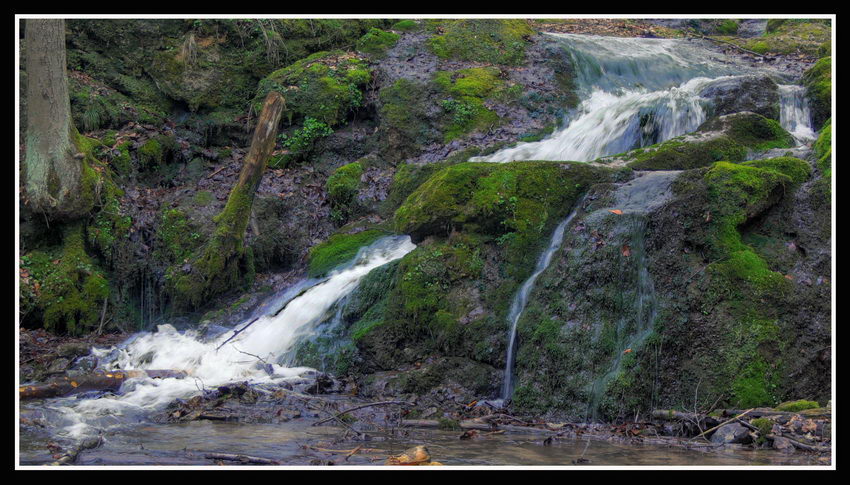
405 121
406 25
800 405
742 284
447 424
377 41
785 36
325 86
342 187
823 150
737 135
300 143
151 153
498 41
465 108
177 237
202 198
71 287
818 83
728 27
339 249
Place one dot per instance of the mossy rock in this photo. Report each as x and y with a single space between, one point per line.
786 36
468 89
818 83
375 42
325 86
407 122
725 138
497 41
338 249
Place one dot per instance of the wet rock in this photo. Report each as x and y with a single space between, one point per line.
59 365
758 94
73 349
783 445
85 364
731 433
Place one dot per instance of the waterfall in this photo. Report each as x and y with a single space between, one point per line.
611 124
794 113
269 338
521 297
635 92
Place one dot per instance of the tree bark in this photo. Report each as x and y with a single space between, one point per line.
54 174
223 263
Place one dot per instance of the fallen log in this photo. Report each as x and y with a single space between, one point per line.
253 460
767 412
96 381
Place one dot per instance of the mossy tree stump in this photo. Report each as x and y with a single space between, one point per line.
224 262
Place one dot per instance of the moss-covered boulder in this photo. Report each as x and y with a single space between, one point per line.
376 41
818 83
729 138
497 41
465 92
325 86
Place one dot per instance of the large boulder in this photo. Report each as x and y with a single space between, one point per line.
757 94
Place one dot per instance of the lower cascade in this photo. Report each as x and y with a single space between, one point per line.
223 358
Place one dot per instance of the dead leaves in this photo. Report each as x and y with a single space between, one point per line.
615 211
626 250
416 456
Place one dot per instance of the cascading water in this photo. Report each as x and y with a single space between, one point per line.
794 113
635 92
270 338
521 298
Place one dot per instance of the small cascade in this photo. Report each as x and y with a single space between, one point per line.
521 297
611 124
259 353
794 114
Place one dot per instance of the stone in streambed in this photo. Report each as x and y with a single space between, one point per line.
731 433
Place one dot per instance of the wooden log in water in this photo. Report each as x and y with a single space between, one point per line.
470 424
96 381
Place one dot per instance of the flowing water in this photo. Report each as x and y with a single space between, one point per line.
634 92
521 298
638 92
260 353
794 113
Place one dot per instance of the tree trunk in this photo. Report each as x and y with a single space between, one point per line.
54 172
97 381
223 263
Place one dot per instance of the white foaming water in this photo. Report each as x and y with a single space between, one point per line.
611 124
270 337
794 113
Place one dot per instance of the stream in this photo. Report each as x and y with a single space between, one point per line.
635 92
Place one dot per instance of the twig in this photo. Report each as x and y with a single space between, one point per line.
355 408
724 422
237 332
252 355
102 316
733 45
